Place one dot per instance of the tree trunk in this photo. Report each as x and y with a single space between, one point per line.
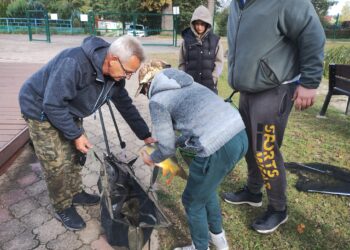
167 20
211 7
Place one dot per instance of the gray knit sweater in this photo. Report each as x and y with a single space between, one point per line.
204 121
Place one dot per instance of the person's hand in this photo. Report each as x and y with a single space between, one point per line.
303 97
146 158
82 144
149 140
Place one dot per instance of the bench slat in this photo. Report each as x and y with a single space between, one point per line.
342 83
342 70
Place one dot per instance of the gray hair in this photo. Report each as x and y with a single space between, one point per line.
125 47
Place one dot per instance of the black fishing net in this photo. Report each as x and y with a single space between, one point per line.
129 212
320 178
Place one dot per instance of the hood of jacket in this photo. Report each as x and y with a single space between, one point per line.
95 49
169 79
203 14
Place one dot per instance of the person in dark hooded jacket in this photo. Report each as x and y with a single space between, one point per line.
201 53
55 99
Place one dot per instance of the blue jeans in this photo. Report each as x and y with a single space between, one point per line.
200 198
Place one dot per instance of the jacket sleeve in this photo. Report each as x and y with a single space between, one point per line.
131 115
60 89
299 22
219 62
182 54
163 132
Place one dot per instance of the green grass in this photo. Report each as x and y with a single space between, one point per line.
307 139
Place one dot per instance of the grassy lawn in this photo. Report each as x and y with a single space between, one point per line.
325 217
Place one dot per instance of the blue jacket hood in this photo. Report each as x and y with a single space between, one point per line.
95 49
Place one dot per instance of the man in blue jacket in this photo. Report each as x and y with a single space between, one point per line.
275 57
55 99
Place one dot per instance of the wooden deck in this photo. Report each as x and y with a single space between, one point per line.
13 130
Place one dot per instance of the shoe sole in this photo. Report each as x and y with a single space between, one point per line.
212 245
253 204
67 227
273 229
85 204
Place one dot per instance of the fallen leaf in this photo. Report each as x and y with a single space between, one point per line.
301 228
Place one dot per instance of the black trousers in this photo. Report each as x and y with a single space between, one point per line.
265 115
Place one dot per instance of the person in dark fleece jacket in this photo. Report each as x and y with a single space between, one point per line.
54 101
206 126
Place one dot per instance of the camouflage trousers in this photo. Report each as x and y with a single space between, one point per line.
58 157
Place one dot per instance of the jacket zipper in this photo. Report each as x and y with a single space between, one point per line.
105 98
234 60
93 109
99 97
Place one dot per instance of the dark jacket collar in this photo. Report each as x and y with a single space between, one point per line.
95 50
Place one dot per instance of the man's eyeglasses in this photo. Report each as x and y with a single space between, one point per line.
126 72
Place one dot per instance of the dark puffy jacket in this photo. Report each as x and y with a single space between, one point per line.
200 57
72 86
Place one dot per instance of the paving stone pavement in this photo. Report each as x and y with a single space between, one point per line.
26 216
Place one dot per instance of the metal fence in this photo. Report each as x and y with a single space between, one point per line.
337 32
336 27
143 25
60 26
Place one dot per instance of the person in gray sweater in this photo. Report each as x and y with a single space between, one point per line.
275 60
187 114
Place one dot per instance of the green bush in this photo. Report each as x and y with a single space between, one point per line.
221 22
337 55
3 7
17 8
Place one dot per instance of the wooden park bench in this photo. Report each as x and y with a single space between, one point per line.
339 84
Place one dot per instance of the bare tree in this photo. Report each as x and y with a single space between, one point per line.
167 21
211 7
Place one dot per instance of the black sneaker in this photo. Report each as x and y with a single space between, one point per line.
84 198
70 219
270 221
243 196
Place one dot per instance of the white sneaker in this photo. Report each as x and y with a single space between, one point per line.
191 247
218 240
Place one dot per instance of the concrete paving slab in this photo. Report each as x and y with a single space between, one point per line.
25 240
10 229
67 240
91 232
49 231
23 207
4 215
